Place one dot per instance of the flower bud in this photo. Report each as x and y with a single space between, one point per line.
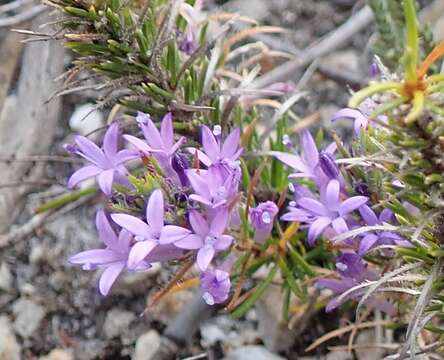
262 218
179 162
328 165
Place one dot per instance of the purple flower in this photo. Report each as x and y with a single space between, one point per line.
107 163
350 265
360 120
329 211
215 153
215 285
180 164
307 165
189 43
376 238
159 143
328 165
113 258
207 238
147 234
213 187
262 218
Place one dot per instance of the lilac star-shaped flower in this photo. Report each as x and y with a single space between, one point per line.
377 238
330 211
107 163
207 238
147 234
215 285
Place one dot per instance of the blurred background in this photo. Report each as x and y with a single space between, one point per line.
50 310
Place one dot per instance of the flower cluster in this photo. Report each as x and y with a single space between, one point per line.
156 232
333 209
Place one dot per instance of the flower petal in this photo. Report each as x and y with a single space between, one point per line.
366 243
151 134
110 140
109 276
231 144
198 223
204 257
138 252
164 253
317 228
198 183
332 195
91 151
223 242
313 205
95 256
368 215
291 160
190 242
339 225
82 174
173 233
352 204
166 130
105 181
139 144
200 199
155 211
133 224
106 232
200 155
311 153
124 156
210 144
219 222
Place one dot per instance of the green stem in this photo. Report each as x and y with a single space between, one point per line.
412 46
64 200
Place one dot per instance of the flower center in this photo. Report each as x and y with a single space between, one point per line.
266 217
210 240
341 266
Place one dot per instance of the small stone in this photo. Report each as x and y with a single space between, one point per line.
147 345
28 316
211 333
252 352
38 255
5 277
86 119
59 354
341 355
9 348
117 322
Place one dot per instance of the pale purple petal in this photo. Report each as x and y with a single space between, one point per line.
174 148
164 253
360 121
95 256
339 225
91 151
105 181
368 215
366 243
139 251
311 153
332 194
331 149
106 232
204 257
223 242
151 134
293 161
133 225
190 242
198 223
200 155
219 222
124 156
82 174
231 144
139 144
173 233
313 205
317 228
110 140
387 216
210 144
109 276
198 183
155 211
296 215
167 131
124 240
352 204
201 199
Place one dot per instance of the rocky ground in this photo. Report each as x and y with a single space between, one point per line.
50 310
